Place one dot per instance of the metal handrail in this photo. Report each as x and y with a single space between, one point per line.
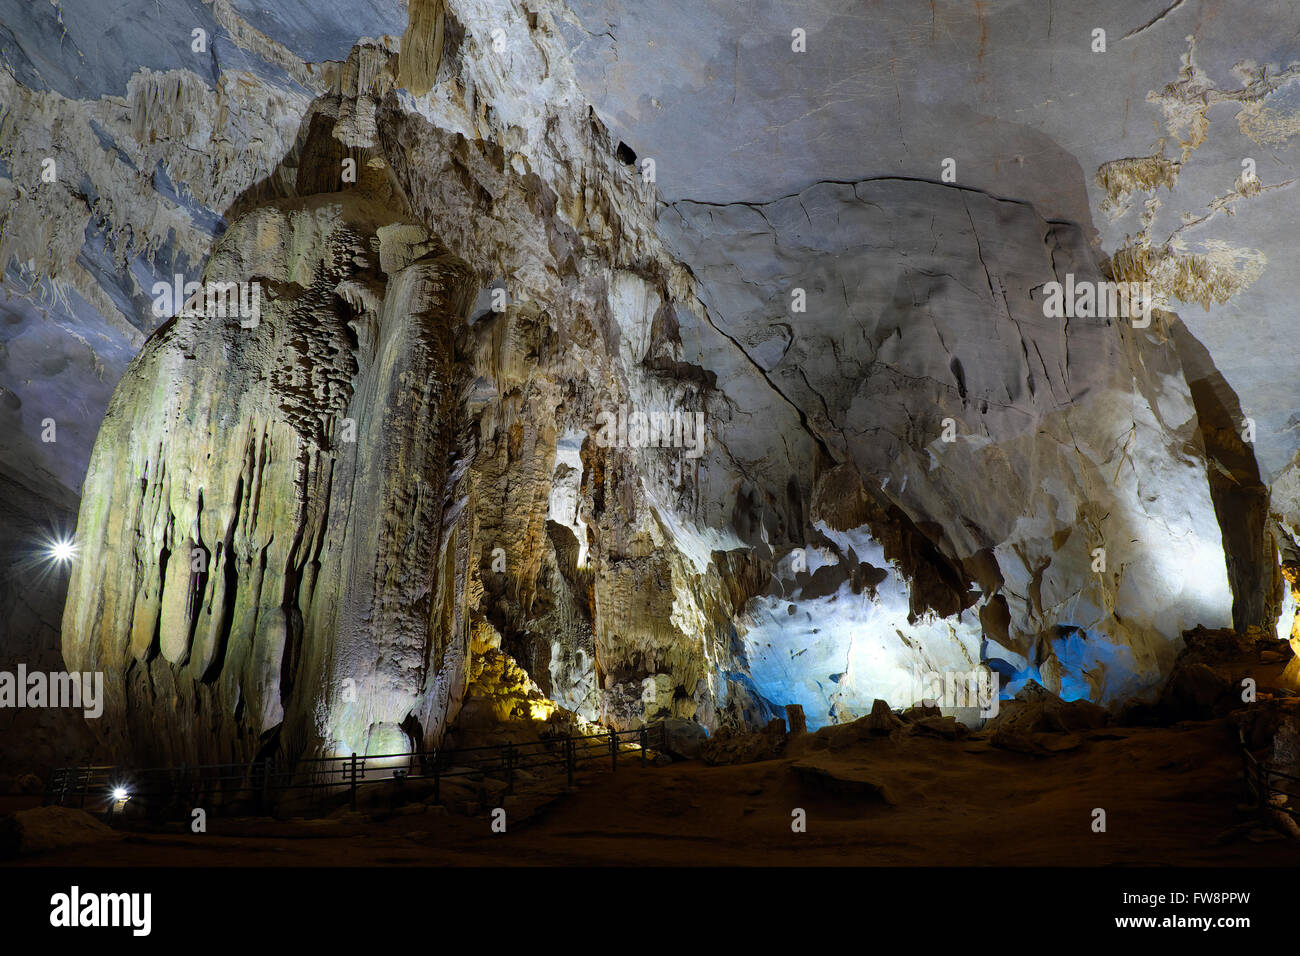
1259 782
265 777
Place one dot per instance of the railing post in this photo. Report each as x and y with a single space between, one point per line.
354 780
613 750
1245 769
437 779
645 738
510 767
568 757
663 735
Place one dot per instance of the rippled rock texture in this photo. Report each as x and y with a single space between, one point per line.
324 511
398 489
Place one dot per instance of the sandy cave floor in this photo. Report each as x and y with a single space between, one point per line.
1173 796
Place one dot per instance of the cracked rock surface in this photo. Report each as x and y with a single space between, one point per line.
326 532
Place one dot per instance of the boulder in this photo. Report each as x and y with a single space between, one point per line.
1035 709
50 828
795 718
881 720
947 727
685 738
920 711
1018 741
727 746
1196 691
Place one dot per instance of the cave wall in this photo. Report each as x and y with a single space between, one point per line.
229 462
315 617
824 548
924 305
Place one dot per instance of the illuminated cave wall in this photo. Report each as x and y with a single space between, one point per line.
828 546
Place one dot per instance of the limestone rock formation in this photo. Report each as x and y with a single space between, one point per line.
233 457
512 420
327 503
1056 434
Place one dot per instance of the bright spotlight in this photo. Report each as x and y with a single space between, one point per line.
120 794
62 551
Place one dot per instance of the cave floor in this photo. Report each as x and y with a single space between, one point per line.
1172 796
